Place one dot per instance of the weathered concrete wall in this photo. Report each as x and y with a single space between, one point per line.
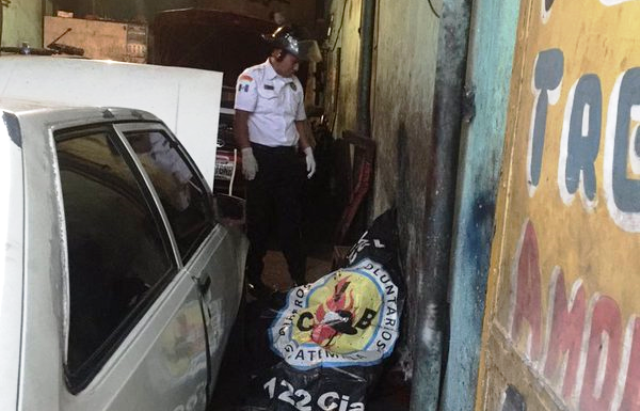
491 49
22 23
404 62
562 328
403 89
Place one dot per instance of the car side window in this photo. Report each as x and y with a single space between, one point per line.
119 253
182 193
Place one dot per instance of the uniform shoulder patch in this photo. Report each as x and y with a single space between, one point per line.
245 77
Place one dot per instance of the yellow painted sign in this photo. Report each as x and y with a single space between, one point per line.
561 329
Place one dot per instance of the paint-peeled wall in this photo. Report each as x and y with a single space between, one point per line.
402 107
403 83
342 59
22 23
561 328
404 64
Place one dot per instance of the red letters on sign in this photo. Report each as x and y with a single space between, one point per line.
527 305
631 396
610 372
567 324
599 384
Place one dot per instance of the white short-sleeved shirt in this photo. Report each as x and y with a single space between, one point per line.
275 104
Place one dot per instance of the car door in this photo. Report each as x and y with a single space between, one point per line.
206 250
135 339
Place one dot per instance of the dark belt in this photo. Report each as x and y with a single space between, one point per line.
274 149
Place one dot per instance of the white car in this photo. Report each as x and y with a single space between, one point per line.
118 288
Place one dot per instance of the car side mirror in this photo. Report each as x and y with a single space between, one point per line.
229 210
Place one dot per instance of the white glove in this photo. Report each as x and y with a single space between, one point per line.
249 164
311 162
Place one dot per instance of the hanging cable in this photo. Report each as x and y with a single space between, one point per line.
433 9
344 8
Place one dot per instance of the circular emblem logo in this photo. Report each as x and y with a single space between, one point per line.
349 317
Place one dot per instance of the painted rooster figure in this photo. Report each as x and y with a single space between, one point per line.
334 317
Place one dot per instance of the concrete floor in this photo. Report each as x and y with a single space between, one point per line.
275 273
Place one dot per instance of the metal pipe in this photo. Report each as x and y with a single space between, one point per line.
364 73
433 270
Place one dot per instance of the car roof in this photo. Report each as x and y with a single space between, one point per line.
11 263
49 111
17 106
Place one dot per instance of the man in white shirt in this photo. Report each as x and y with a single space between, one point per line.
270 130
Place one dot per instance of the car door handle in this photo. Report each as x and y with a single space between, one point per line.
204 285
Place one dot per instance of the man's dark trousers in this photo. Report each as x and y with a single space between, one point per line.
273 200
